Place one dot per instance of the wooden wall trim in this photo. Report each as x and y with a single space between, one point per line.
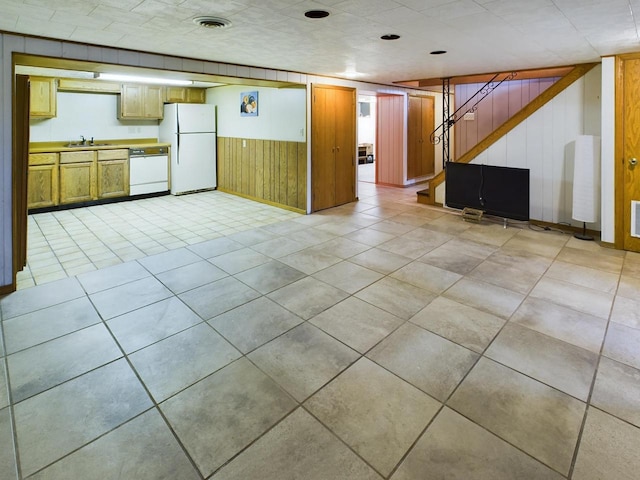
262 200
271 171
619 150
7 289
576 73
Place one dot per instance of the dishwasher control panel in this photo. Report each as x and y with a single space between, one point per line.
148 151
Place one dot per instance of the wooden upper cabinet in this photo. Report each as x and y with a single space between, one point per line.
141 102
184 95
87 86
43 91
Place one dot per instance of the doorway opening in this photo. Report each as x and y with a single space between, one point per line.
367 118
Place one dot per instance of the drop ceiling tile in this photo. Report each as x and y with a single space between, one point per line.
217 8
395 17
75 19
358 6
81 34
510 7
121 4
73 6
421 5
454 10
153 8
32 26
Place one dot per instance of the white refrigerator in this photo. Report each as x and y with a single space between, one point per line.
191 130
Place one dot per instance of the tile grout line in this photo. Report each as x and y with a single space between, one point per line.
576 452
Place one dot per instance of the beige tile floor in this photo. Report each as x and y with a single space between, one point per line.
207 336
71 242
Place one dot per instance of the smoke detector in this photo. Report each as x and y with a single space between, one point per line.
212 22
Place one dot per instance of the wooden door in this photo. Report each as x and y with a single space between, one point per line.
420 151
19 165
390 126
323 132
414 137
333 146
630 161
427 153
345 146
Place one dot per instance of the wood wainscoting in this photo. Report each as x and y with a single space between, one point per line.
266 170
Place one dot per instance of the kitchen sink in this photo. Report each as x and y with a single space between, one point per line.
79 145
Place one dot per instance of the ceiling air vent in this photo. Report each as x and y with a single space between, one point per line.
212 22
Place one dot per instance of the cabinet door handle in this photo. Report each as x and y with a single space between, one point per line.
633 161
338 149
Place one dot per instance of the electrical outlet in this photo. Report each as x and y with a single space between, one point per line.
244 143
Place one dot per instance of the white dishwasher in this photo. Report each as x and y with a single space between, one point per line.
148 170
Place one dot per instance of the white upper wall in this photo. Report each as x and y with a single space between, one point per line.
90 115
367 125
282 113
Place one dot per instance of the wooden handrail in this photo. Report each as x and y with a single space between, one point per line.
577 72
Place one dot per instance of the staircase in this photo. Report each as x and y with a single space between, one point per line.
427 195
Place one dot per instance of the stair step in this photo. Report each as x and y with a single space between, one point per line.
423 196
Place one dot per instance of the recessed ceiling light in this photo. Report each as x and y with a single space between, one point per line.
438 52
316 14
212 22
390 36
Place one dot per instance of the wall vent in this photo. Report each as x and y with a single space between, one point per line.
635 219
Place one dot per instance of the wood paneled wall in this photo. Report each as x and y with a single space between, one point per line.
499 106
270 170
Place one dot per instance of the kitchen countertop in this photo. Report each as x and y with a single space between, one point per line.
57 147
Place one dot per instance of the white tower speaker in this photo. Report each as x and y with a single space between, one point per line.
586 182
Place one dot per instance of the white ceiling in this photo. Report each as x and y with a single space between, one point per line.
479 35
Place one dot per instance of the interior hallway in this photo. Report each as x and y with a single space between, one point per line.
381 339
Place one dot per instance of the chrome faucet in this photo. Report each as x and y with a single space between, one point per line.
83 141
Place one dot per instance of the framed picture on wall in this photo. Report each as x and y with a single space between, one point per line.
249 104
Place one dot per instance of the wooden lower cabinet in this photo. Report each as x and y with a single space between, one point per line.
113 178
77 182
43 186
77 177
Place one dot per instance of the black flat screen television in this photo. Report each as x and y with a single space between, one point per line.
499 191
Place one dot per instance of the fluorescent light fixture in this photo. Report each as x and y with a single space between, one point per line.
116 77
351 74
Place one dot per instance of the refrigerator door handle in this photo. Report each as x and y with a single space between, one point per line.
178 149
178 135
